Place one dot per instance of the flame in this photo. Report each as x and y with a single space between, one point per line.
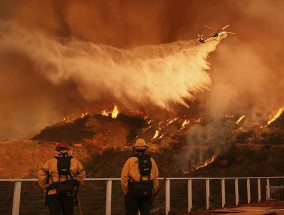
84 114
104 113
274 117
213 158
114 112
185 122
171 121
156 134
206 163
240 119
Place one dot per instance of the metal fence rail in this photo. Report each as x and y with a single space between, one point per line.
104 195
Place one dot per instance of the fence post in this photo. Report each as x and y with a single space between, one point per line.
108 197
17 198
267 190
207 194
223 192
189 190
259 189
237 191
168 196
248 190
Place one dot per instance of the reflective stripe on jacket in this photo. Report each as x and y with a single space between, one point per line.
130 172
50 168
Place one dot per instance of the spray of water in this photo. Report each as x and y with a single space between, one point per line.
153 74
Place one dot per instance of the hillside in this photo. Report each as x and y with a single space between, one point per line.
103 143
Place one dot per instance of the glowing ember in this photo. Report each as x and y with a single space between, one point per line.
184 124
115 112
156 134
274 117
240 119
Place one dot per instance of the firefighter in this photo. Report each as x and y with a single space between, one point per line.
60 177
139 180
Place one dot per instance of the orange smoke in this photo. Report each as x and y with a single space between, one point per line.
75 56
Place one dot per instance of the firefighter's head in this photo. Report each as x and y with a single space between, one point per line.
140 145
61 148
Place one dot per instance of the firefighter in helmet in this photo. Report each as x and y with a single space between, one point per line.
139 180
60 197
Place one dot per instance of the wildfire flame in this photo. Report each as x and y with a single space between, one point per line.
206 163
213 158
84 114
156 134
171 121
114 112
275 116
104 113
240 119
184 124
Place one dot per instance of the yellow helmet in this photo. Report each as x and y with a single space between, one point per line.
141 143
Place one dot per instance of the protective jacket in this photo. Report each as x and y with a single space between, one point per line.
131 173
49 169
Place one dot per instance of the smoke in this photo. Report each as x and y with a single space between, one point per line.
147 75
67 57
203 142
247 77
249 88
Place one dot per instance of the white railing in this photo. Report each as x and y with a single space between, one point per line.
266 182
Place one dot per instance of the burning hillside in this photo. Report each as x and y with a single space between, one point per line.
195 145
192 143
100 130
